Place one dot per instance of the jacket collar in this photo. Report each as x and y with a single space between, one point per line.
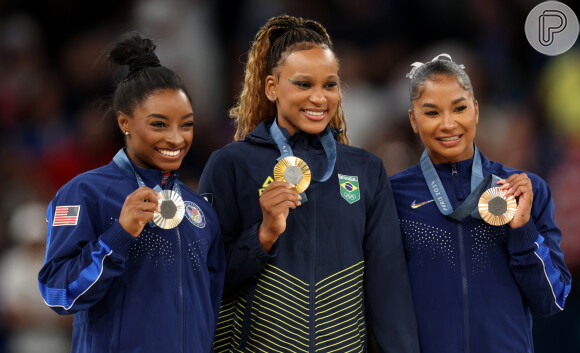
151 177
261 135
463 167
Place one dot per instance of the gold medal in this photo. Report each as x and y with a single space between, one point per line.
295 171
495 208
172 210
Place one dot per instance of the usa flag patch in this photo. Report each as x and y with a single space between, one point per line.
66 216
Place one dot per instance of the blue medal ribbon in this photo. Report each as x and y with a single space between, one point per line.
479 184
123 162
328 144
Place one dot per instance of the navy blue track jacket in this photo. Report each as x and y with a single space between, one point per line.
475 285
338 269
159 292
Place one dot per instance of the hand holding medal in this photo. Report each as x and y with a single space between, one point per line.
292 177
138 210
276 202
166 209
519 186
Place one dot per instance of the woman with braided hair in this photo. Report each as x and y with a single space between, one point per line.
132 252
314 254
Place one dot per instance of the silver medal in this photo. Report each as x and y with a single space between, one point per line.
172 210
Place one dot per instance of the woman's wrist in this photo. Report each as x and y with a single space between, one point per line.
267 239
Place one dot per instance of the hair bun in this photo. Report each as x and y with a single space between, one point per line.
143 61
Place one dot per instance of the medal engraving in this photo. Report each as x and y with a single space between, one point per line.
495 208
172 210
294 171
168 209
293 174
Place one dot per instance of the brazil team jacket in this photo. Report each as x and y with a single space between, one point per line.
159 292
339 267
474 285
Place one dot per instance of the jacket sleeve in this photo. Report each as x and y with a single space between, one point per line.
389 304
80 264
245 256
537 261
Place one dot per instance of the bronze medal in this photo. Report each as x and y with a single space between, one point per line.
495 208
294 171
172 210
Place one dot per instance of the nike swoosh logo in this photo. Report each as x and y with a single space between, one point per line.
417 205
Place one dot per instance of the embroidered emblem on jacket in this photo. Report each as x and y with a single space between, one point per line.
194 214
349 188
66 216
414 204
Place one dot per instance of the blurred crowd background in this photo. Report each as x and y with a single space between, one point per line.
50 130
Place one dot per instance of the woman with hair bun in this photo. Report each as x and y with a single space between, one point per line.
132 252
315 260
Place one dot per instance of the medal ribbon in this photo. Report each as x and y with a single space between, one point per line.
123 162
478 185
326 138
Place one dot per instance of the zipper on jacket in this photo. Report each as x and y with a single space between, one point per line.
313 276
180 311
464 290
456 181
312 272
456 201
181 323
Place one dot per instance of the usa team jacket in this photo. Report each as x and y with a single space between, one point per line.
474 285
159 292
339 267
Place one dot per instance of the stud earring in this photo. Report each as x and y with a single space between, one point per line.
126 133
272 98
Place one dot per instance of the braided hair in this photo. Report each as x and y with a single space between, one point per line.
274 42
145 76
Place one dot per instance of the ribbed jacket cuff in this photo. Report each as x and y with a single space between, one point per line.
523 237
117 238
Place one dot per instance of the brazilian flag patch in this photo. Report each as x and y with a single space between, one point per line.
349 188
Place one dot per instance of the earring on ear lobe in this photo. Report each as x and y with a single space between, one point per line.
126 133
272 98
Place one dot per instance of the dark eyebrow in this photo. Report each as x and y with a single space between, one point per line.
431 105
300 77
161 116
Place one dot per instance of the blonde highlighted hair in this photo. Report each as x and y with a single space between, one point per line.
279 37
